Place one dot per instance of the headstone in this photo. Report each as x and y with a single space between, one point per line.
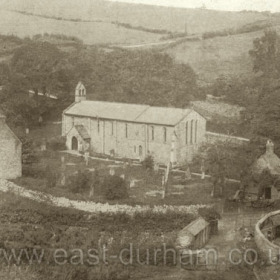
156 167
86 155
112 171
188 174
202 170
27 131
132 184
122 176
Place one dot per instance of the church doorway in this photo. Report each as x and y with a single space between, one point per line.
74 144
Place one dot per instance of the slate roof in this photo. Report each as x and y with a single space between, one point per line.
128 112
161 115
82 131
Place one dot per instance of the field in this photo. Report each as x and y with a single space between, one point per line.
147 16
12 23
220 56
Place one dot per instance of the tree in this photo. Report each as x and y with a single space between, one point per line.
266 54
114 187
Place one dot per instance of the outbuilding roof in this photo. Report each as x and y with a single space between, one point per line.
188 233
128 112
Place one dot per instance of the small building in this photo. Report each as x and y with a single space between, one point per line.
131 130
269 163
10 152
195 235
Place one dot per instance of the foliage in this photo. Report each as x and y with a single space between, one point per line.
57 144
80 182
148 163
114 187
51 177
29 154
209 214
265 54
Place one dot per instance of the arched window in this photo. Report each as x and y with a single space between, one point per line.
187 133
196 124
164 134
152 133
126 130
83 91
80 92
140 151
191 132
112 128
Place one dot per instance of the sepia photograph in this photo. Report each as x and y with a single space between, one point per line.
139 139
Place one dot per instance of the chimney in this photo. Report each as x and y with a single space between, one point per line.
269 147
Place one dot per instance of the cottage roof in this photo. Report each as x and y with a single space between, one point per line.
128 112
82 131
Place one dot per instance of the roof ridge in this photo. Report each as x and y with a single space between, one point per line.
148 106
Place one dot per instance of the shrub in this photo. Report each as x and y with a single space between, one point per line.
57 144
114 187
148 163
81 182
29 155
33 171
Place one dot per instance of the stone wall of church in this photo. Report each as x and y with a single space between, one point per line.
185 148
10 155
128 139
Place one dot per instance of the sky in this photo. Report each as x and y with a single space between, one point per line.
224 5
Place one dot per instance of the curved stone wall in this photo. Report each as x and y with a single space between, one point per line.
269 251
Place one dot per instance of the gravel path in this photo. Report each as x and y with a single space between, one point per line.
92 207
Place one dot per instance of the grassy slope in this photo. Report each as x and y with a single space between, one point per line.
173 19
90 32
218 56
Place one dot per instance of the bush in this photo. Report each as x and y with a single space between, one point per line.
81 182
57 144
29 155
114 187
148 163
33 171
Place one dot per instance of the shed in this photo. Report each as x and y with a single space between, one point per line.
195 235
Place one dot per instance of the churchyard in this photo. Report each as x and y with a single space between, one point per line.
143 184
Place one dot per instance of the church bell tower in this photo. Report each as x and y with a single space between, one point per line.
80 92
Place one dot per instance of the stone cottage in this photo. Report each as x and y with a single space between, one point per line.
268 162
10 152
132 131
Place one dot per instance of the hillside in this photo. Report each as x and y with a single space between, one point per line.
211 58
90 32
147 16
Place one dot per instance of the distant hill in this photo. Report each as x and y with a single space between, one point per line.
100 22
153 17
219 56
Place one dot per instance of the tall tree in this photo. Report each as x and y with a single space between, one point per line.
266 54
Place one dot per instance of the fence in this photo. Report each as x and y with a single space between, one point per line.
212 137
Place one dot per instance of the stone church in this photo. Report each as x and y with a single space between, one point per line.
10 152
132 131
